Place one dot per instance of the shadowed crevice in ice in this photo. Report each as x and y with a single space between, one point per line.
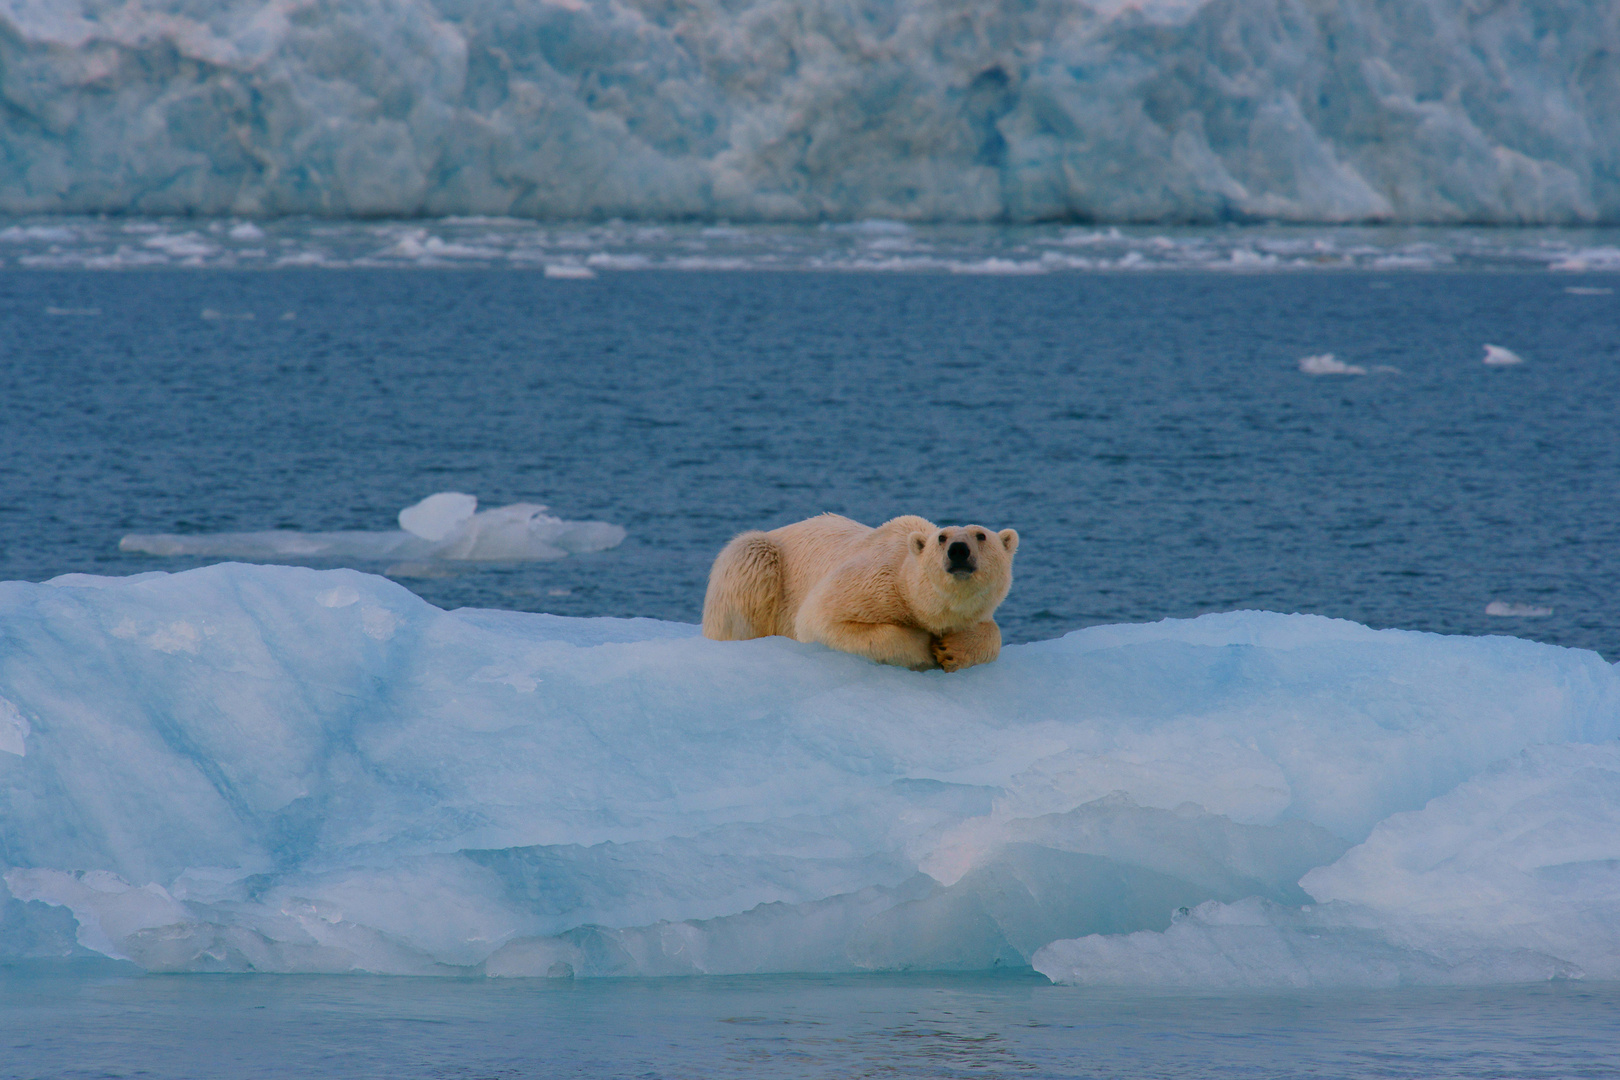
274 768
446 527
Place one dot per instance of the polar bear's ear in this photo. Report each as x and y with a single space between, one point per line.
919 540
1009 540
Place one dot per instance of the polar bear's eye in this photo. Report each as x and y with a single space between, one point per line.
942 538
980 536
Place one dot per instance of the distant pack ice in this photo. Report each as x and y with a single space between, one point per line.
275 768
793 110
445 527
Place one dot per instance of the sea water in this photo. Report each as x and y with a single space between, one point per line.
1158 439
1150 434
932 1027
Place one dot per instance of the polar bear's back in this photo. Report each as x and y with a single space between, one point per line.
761 579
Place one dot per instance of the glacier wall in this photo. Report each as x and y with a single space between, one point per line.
1438 111
280 769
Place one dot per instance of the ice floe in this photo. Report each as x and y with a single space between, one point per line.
1328 364
284 769
443 528
1505 609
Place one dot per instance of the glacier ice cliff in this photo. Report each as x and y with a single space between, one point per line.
275 768
1438 111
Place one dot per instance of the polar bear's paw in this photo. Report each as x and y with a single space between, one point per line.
948 658
978 644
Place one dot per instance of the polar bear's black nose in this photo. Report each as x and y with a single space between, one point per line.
959 553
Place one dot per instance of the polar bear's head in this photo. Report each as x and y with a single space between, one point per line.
960 573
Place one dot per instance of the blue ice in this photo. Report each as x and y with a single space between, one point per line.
769 110
275 768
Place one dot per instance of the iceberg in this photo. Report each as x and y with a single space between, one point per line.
277 768
812 110
445 527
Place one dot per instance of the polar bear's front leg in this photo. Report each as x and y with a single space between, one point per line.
887 643
978 644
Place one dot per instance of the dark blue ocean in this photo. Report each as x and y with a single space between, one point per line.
928 1027
1152 436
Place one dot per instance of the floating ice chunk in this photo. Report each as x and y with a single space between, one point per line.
215 315
997 266
872 227
437 516
441 528
246 231
294 770
1497 356
1326 364
569 270
1588 290
277 544
1504 609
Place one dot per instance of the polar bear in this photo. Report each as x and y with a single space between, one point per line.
907 593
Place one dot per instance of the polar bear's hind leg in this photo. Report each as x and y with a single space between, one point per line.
745 590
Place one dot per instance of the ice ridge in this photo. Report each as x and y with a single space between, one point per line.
274 768
1435 111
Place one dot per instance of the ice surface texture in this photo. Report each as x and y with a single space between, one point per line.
1303 110
277 768
446 527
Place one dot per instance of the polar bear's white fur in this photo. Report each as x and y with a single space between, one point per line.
907 593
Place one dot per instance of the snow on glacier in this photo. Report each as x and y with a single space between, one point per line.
282 769
770 110
444 527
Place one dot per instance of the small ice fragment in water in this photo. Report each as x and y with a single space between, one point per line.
288 316
246 231
1325 364
441 528
437 516
1497 356
1588 290
73 311
212 314
569 270
1522 611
